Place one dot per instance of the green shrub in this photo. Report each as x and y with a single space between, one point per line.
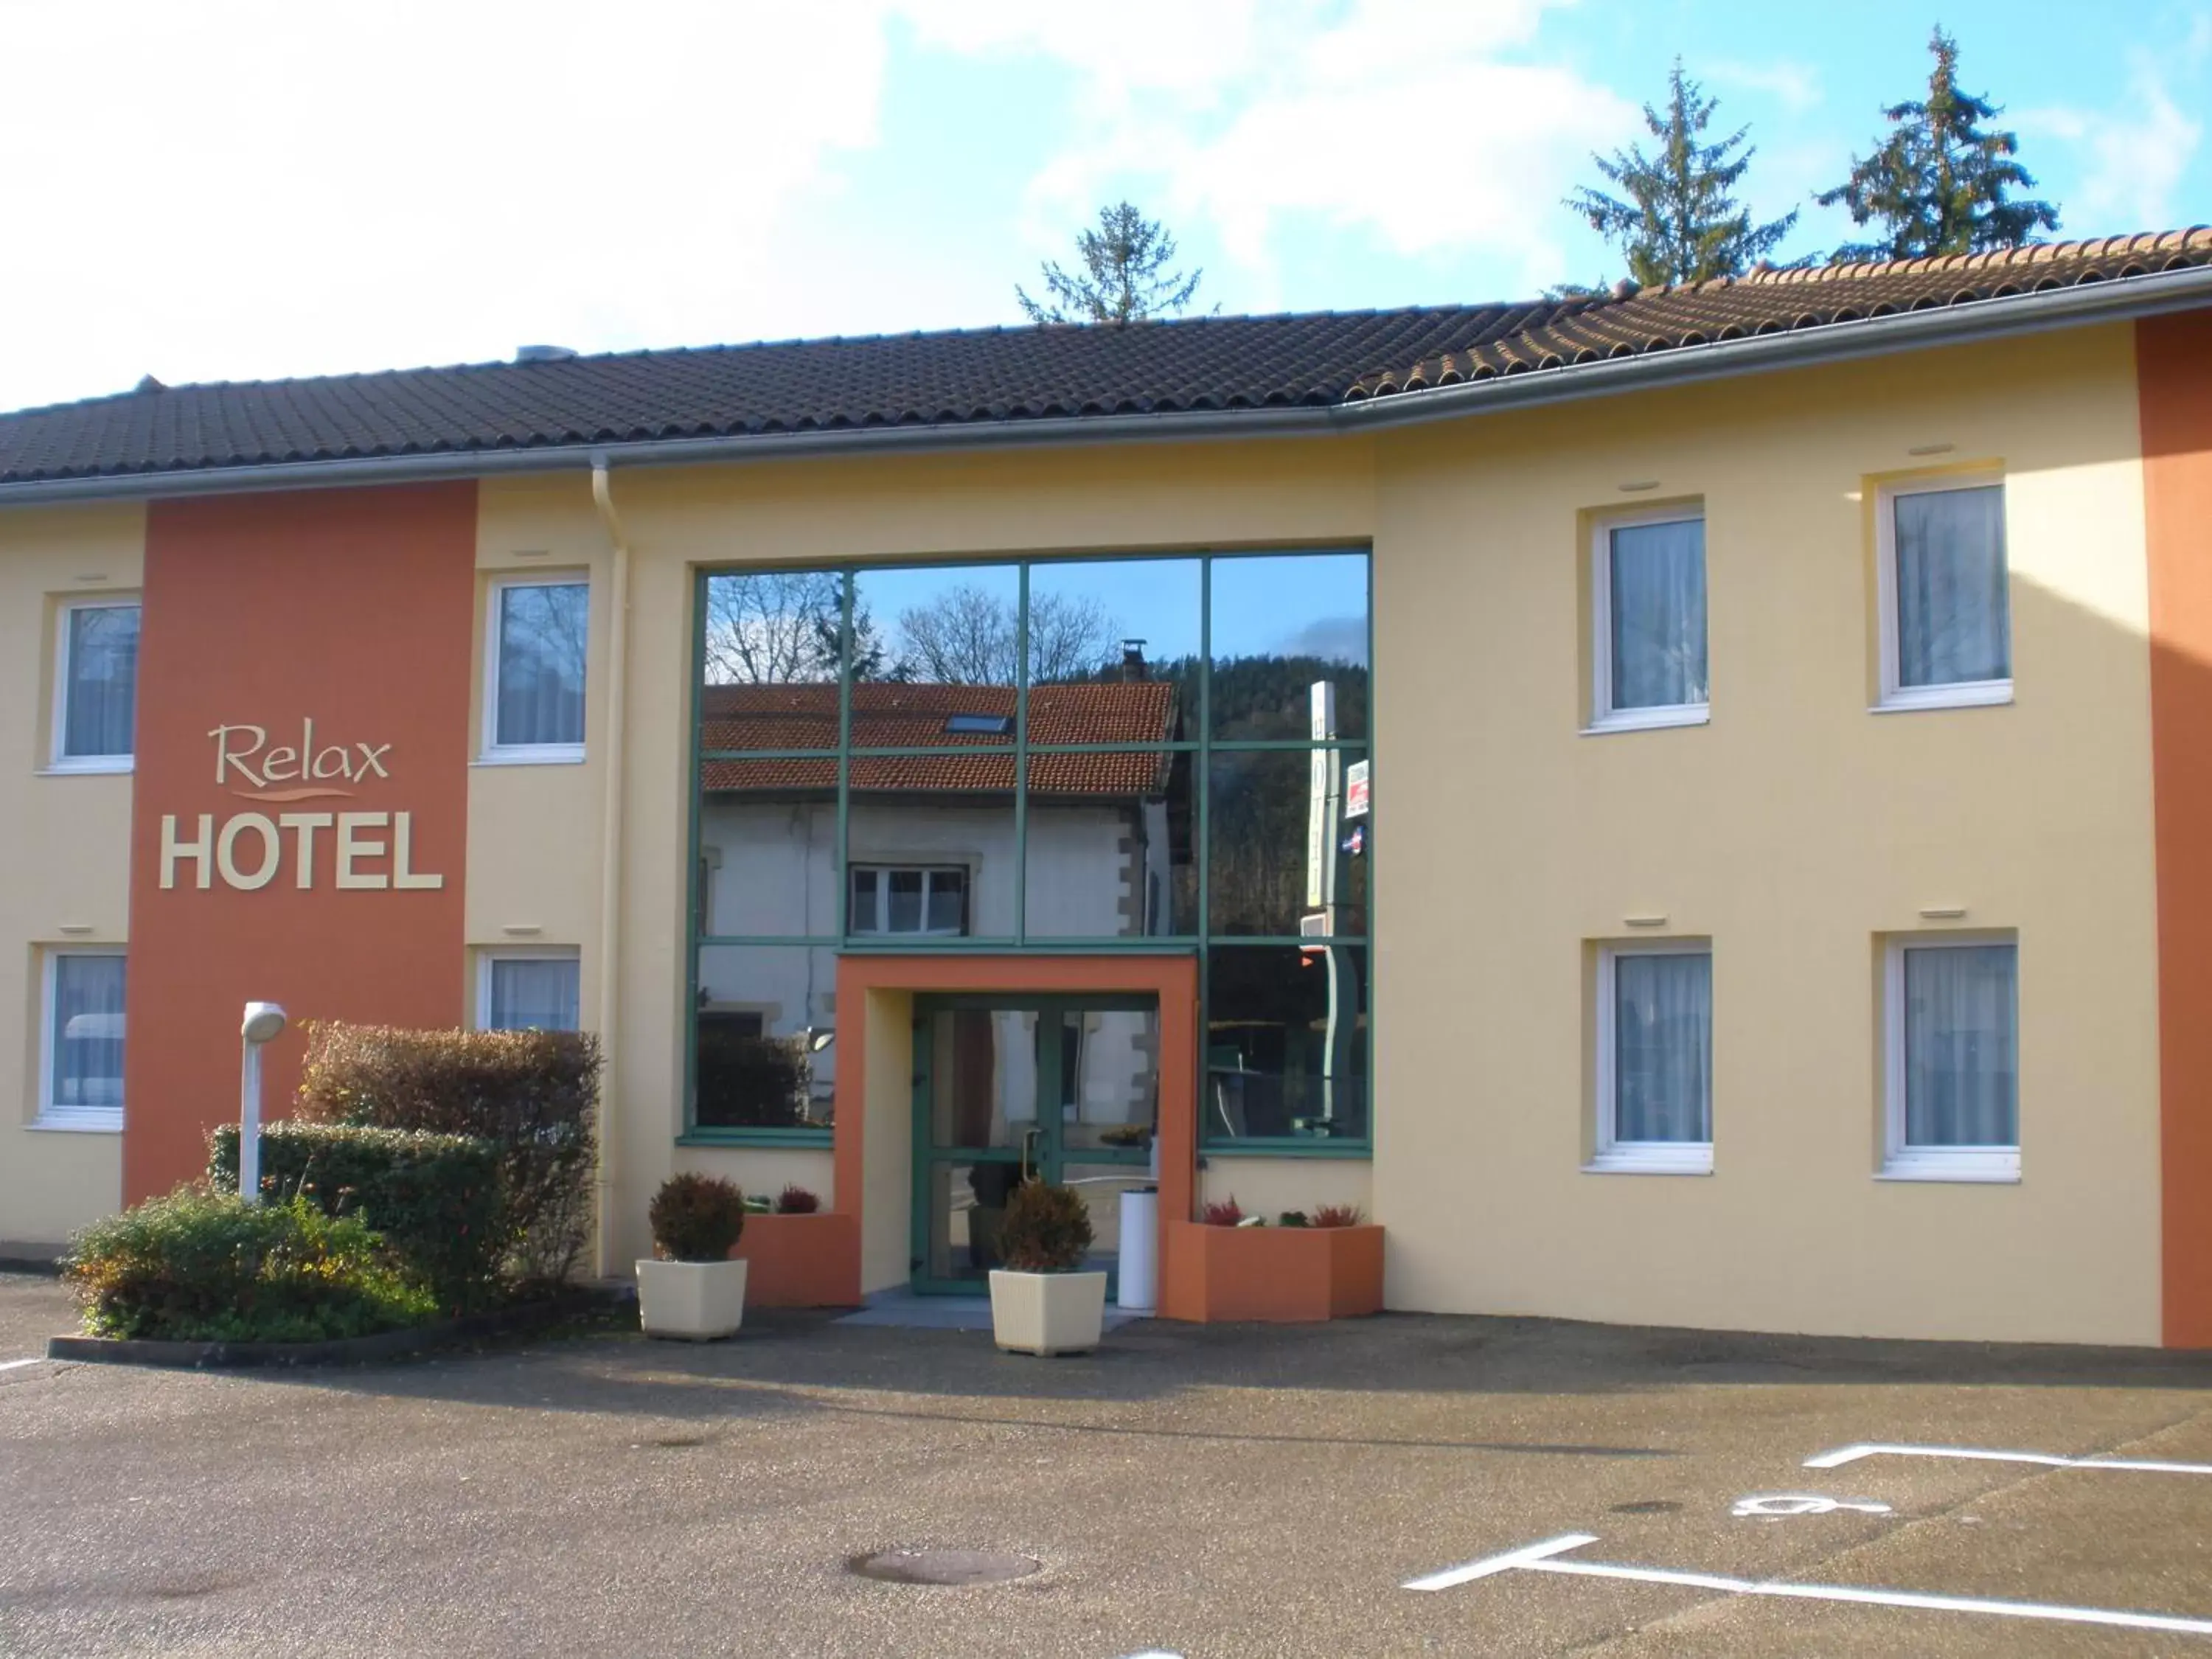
1045 1230
209 1268
533 1094
750 1082
435 1199
696 1218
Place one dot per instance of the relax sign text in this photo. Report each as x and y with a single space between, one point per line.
366 851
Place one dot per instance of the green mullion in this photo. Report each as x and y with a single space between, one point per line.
841 857
829 754
736 1135
1021 754
1202 785
1300 745
692 793
724 941
1301 1147
1304 941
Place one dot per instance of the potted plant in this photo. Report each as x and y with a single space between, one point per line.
1040 1303
691 1289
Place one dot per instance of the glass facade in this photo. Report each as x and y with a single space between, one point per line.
1089 755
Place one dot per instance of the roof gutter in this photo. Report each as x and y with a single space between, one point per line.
2112 300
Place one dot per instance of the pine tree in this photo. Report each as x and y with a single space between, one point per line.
1125 277
1682 222
1939 184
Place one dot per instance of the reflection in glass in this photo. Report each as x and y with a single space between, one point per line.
101 694
1109 853
937 625
1286 1043
770 679
1284 861
931 848
766 1051
1283 624
542 628
1114 619
1109 1080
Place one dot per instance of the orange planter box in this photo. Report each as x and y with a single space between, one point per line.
801 1261
1287 1275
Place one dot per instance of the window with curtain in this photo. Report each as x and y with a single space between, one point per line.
927 902
1952 621
1652 577
524 994
1957 1068
84 1038
1656 1034
99 688
537 690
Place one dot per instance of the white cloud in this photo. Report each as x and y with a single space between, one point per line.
1431 129
249 187
2136 153
1797 86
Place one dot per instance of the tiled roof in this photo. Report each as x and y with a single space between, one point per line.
1002 375
995 378
903 716
1776 302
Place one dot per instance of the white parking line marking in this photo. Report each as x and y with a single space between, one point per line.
18 1365
1773 1505
1544 1558
1836 1460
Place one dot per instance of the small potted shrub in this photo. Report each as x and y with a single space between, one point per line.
1040 1303
691 1289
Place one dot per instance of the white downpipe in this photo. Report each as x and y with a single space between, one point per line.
610 855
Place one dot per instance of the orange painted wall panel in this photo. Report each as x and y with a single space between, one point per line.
2173 358
352 609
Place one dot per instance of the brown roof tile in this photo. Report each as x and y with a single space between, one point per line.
1635 323
906 716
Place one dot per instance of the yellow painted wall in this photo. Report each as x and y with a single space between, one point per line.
65 845
1792 831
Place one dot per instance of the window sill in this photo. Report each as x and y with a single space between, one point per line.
742 1138
1649 719
1974 694
1687 1160
79 1123
101 766
1307 1147
1997 1167
551 754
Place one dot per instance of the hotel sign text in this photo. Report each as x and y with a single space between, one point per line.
364 851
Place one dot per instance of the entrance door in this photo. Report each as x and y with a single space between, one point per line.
1012 1089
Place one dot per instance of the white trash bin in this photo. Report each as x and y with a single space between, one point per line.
1140 1253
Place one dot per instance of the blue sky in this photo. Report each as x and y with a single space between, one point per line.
252 188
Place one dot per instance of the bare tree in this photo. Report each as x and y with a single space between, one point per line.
773 628
969 636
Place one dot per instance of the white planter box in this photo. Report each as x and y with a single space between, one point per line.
693 1301
1047 1313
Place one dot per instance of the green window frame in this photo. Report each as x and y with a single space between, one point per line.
1199 744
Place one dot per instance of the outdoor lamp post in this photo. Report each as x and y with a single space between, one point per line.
264 1023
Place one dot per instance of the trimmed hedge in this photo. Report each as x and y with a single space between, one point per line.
434 1199
200 1267
533 1094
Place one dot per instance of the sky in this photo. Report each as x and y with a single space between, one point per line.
242 189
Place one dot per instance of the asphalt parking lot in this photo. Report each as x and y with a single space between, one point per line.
1196 1492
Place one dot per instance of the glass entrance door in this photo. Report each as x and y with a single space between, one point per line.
1012 1089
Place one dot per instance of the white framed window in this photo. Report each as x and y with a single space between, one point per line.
95 686
1951 1025
529 990
1648 616
80 1048
905 901
1945 597
538 632
1655 1059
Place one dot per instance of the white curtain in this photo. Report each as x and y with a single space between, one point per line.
527 995
1953 622
1961 1034
103 681
1658 600
87 1041
541 663
1662 1048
